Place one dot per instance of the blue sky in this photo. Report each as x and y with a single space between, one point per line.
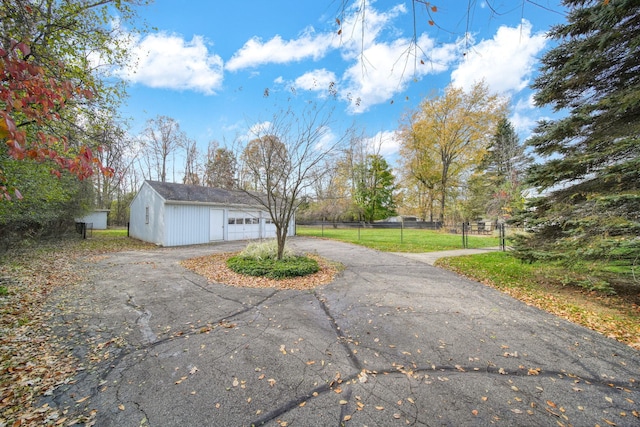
207 63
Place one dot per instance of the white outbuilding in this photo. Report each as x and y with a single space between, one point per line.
169 214
96 219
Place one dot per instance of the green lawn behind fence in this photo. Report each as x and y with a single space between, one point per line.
398 240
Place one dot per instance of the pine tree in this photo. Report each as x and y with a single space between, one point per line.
589 206
499 179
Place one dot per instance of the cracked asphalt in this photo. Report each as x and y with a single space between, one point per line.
392 341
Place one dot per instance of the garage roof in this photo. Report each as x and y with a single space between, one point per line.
199 194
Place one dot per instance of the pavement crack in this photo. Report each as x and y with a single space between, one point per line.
342 339
142 321
344 409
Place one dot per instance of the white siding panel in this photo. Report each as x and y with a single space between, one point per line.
186 225
149 229
97 218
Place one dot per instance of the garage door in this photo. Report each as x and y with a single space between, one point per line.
243 225
269 228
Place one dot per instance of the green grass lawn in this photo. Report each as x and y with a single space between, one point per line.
544 285
397 240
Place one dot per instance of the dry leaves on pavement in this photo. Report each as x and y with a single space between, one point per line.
214 268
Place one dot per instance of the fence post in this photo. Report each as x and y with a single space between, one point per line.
465 235
503 238
401 231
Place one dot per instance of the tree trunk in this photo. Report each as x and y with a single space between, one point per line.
281 237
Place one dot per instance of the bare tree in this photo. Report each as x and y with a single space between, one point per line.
191 165
162 137
286 158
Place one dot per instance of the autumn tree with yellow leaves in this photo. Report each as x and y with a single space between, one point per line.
447 137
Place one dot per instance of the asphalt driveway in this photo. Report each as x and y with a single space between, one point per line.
392 341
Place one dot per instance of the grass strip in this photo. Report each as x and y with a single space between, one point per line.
536 284
398 240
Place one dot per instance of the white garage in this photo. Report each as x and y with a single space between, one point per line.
169 214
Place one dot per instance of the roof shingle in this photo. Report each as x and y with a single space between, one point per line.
197 193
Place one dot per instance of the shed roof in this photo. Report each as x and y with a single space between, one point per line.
199 194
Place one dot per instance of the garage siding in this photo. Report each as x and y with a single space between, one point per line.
147 219
186 225
170 214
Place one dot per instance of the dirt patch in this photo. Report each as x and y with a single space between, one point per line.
214 268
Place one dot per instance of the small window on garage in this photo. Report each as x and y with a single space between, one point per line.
232 220
146 215
255 220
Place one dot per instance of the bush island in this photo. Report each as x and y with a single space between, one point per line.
260 259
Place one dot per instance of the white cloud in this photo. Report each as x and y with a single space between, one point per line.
505 62
258 130
385 69
168 61
385 143
353 38
255 52
317 80
525 116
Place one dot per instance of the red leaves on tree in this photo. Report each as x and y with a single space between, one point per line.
28 93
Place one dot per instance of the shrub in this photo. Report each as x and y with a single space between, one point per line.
272 268
260 259
267 249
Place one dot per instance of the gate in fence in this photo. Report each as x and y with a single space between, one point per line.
484 228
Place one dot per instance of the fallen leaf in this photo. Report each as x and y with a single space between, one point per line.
82 400
121 407
379 408
550 403
235 383
343 402
271 382
346 418
475 412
